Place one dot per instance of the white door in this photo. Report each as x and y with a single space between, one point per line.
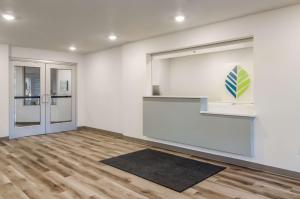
61 101
27 103
42 98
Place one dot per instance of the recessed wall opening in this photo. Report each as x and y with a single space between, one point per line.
204 71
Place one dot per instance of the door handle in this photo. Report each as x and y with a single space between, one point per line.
46 98
43 99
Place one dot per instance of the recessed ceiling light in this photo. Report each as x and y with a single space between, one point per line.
72 48
112 37
179 18
8 17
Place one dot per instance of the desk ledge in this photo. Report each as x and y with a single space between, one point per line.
229 114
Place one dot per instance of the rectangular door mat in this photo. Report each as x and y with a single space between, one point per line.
165 169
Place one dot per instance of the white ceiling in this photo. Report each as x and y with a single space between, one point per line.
56 24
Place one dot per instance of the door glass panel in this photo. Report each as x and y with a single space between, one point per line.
27 96
61 95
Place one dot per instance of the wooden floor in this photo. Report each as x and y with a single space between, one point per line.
65 165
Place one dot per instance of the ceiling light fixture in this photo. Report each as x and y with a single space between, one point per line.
112 37
72 48
8 17
179 18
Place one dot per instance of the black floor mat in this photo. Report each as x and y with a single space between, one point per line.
165 169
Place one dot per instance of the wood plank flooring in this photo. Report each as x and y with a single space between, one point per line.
65 166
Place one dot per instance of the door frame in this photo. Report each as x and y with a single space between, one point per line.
12 128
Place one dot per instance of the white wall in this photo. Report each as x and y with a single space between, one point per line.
102 89
160 75
276 89
4 90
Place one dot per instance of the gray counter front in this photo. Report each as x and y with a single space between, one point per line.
179 120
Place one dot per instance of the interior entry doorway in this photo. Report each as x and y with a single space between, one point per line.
42 99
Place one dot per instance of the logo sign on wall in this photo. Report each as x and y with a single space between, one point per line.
237 81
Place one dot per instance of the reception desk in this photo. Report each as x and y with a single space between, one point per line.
189 120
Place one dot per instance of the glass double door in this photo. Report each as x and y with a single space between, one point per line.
42 99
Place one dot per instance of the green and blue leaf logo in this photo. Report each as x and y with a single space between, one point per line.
237 81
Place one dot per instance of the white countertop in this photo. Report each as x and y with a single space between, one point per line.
182 97
229 109
229 114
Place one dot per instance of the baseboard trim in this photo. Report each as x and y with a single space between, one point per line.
4 138
209 156
104 132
